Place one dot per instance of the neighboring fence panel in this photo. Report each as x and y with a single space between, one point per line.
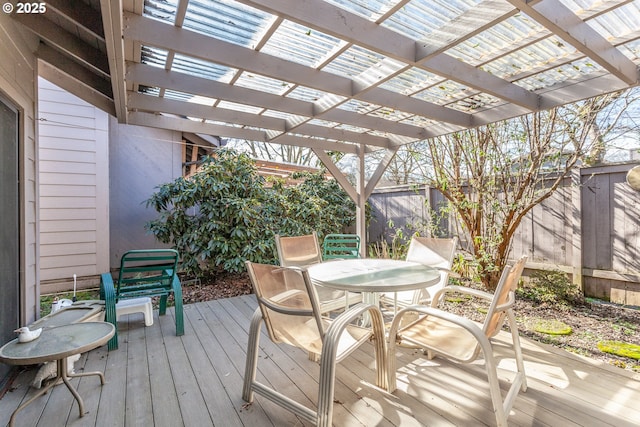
608 223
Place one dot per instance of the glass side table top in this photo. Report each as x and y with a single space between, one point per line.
57 342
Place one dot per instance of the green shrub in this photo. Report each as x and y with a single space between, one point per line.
550 287
226 214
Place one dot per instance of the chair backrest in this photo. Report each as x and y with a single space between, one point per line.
342 246
146 270
432 251
288 304
298 251
503 297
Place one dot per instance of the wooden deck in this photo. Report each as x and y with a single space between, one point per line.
156 378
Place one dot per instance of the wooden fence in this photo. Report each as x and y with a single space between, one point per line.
590 230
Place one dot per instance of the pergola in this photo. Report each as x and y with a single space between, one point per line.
354 76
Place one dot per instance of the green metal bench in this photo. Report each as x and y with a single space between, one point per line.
143 273
341 246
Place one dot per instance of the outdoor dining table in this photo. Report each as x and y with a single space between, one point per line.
56 344
372 276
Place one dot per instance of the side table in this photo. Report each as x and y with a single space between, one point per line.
58 343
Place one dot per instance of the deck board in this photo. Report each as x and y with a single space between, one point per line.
156 378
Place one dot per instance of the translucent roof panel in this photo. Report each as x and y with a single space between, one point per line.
323 123
307 94
531 58
352 128
356 106
300 44
618 22
200 68
353 61
572 71
418 121
632 50
153 56
227 20
419 18
411 81
389 114
443 93
240 107
180 96
286 116
163 10
263 84
369 9
476 103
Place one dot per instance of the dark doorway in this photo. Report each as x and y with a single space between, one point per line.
10 227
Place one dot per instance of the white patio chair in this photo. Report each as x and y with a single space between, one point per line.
289 306
302 251
454 337
431 251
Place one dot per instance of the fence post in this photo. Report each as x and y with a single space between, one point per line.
576 222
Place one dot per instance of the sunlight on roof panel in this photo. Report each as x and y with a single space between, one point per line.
203 100
411 81
153 56
240 107
227 20
215 122
389 114
356 106
262 83
443 93
180 96
576 70
323 123
300 44
353 61
619 22
502 38
531 58
475 103
200 68
419 18
352 128
164 10
369 9
285 116
307 94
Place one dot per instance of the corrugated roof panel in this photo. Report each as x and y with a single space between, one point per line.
411 81
204 69
356 106
300 44
227 20
353 61
216 122
618 22
180 96
203 100
443 93
419 18
418 121
575 70
631 50
504 37
262 83
389 114
476 103
164 10
285 116
531 58
323 123
153 56
352 128
369 9
240 107
307 94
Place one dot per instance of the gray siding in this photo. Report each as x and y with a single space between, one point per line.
74 194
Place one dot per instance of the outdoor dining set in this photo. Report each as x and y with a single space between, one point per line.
330 302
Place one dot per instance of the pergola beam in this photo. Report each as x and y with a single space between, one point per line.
561 21
80 14
111 11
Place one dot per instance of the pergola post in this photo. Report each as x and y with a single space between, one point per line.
361 220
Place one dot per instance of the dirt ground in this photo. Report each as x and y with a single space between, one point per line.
591 322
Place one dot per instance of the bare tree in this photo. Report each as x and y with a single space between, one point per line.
278 153
492 176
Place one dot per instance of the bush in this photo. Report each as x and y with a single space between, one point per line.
226 214
551 287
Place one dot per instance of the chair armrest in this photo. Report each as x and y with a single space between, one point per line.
107 288
462 290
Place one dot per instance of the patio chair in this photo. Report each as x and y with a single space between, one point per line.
143 273
341 246
434 252
289 307
302 251
457 338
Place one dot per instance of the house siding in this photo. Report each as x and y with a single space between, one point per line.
74 185
18 70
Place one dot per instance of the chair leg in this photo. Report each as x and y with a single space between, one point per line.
517 349
177 297
252 356
162 307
